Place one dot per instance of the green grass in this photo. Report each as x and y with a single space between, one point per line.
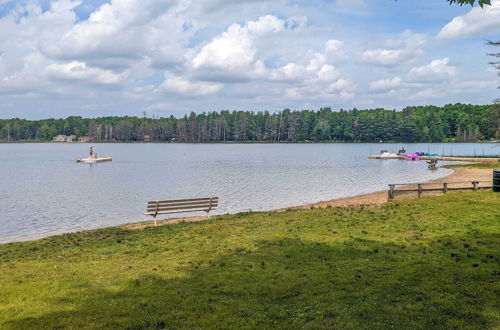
419 264
476 165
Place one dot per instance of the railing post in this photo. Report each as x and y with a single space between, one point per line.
419 190
390 195
445 186
475 183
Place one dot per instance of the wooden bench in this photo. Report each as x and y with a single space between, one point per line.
154 208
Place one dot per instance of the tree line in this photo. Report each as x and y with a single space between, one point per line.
453 122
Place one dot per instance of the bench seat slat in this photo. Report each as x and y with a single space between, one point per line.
176 211
184 207
183 200
160 210
160 204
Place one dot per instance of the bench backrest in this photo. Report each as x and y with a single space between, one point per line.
181 205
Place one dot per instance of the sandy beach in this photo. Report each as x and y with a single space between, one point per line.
459 174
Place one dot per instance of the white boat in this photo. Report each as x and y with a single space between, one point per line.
388 155
91 160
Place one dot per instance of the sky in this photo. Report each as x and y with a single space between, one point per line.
170 57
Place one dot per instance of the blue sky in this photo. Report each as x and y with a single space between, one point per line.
99 58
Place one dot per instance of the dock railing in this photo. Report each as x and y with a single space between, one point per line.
434 187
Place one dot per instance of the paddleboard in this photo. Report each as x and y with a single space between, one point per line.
94 160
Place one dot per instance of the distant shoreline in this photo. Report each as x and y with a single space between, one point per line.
247 142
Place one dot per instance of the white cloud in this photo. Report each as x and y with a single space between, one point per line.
335 50
22 75
328 73
437 70
120 33
21 63
317 71
341 86
231 56
472 86
316 62
387 57
179 85
233 49
339 90
290 72
478 21
393 52
80 71
426 94
334 46
386 84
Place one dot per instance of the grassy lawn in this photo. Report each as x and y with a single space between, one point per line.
476 165
426 263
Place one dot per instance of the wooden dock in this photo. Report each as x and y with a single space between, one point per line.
435 187
445 158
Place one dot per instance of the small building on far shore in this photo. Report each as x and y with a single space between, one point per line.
85 139
59 138
64 138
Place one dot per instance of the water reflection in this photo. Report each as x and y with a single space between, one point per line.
44 191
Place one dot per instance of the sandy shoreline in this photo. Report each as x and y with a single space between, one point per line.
459 174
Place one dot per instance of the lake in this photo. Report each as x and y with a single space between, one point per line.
44 191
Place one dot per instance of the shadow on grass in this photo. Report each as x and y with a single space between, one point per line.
291 283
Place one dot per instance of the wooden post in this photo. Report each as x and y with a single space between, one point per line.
390 195
419 190
475 183
445 186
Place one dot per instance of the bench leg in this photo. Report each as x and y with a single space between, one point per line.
390 193
155 221
208 215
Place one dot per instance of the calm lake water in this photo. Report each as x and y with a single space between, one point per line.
44 191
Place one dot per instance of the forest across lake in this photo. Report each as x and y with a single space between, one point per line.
449 123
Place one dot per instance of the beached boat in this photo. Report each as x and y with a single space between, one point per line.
94 160
388 155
